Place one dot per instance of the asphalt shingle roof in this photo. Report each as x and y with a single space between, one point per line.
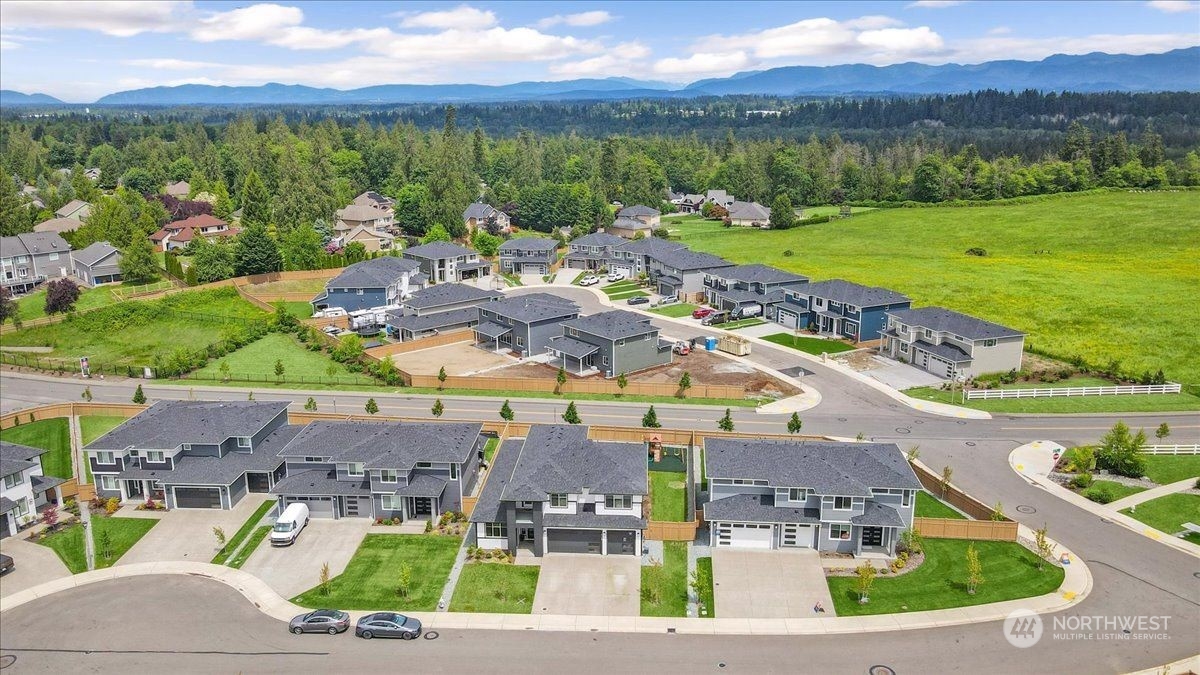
613 324
227 469
385 445
944 350
533 307
826 468
593 520
756 273
560 459
32 243
687 259
840 290
437 250
491 329
749 211
629 224
638 210
479 211
15 457
95 253
449 294
487 509
321 482
529 244
576 349
361 212
58 225
7 505
878 515
599 239
412 322
376 273
950 321
651 246
169 424
751 508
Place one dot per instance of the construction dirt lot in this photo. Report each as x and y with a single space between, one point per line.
460 358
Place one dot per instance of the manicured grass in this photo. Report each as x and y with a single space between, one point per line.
677 310
929 506
809 345
371 579
1064 404
1164 469
1106 491
1169 513
53 435
742 323
232 543
251 546
489 449
1039 274
668 496
704 573
667 581
625 295
92 427
300 310
33 306
125 532
257 360
495 588
1010 572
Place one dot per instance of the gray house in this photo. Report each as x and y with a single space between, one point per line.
446 261
436 309
31 258
682 270
633 257
558 492
380 469
193 454
23 486
592 251
729 288
98 264
840 308
528 255
614 342
371 283
949 343
523 324
844 497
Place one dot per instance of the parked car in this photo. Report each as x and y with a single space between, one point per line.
332 621
6 563
638 300
715 318
747 311
701 312
387 624
615 275
589 280
289 524
331 330
682 348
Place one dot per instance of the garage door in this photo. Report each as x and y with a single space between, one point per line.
573 541
197 498
745 535
798 536
318 507
533 269
622 542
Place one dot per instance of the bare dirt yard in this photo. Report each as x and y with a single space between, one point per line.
461 358
312 286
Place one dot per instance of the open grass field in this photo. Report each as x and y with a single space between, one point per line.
495 588
664 587
679 309
33 306
668 497
371 579
257 359
52 435
1169 513
1074 272
124 533
929 506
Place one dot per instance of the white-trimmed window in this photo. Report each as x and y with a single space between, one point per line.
618 501
853 309
155 456
453 471
107 483
358 292
903 347
928 333
22 507
389 503
424 465
388 476
849 326
797 494
105 457
520 341
839 532
558 500
354 469
908 495
989 343
314 460
495 530
187 447
53 256
243 441
842 503
14 479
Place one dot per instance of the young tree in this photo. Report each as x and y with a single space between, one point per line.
685 383
506 412
438 408
997 512
311 404
726 422
783 216
279 369
219 533
255 252
559 380
50 517
865 577
947 474
250 396
1160 433
1045 549
436 233
372 407
61 295
571 415
650 419
324 580
1083 459
225 369
1121 453
622 382
974 569
442 377
138 396
138 265
794 424
105 543
87 394
404 580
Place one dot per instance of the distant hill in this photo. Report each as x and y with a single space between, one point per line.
1177 70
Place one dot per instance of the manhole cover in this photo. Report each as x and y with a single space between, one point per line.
431 635
971 443
918 421
1023 508
841 419
880 670
721 664
903 430
960 421
1196 574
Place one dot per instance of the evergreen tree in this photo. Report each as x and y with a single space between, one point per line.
302 248
650 419
138 265
14 215
438 408
311 404
372 407
726 422
794 424
782 214
436 233
506 412
255 201
571 415
255 252
139 397
211 261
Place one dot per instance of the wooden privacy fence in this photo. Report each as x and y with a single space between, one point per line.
53 410
956 497
954 528
1049 392
1171 450
661 530
439 340
548 385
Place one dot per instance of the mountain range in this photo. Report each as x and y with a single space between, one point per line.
1177 70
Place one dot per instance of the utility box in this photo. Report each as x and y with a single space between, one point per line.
732 344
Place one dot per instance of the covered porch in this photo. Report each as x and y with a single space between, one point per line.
574 355
474 270
489 331
877 530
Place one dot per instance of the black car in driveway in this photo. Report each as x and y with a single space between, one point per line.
387 624
332 621
637 300
6 563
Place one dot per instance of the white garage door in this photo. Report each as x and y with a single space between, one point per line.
318 507
745 535
799 536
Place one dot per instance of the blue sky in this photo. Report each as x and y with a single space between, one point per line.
79 51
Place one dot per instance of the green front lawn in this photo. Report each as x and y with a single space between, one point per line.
809 345
742 323
232 543
625 295
124 532
664 587
251 546
676 310
1169 513
1010 572
668 496
1107 491
257 361
1164 469
495 588
704 573
1063 404
372 577
53 435
929 506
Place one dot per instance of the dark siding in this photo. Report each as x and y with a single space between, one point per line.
117 466
350 300
237 490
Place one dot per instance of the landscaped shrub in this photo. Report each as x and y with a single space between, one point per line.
1099 494
1082 481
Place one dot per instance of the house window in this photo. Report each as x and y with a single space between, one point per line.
105 457
841 502
928 333
907 498
53 256
387 476
853 309
989 343
243 441
903 347
314 460
155 456
520 341
22 507
839 532
495 530
187 447
618 501
424 465
558 501
13 479
797 494
850 326
354 469
389 503
108 483
453 472
604 360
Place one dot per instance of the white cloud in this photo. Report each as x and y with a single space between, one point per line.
170 64
473 47
592 18
901 41
280 26
8 44
625 59
463 17
1000 30
120 19
933 4
1174 6
703 64
855 39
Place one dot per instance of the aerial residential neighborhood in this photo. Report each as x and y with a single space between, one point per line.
639 337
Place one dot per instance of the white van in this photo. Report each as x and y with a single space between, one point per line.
288 525
747 311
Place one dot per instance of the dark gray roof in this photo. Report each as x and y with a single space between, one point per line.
417 324
7 505
630 224
613 324
480 211
95 253
840 290
487 509
491 329
638 210
169 424
944 350
651 246
385 445
529 244
599 239
227 469
376 273
594 521
449 294
687 259
740 296
950 321
576 349
321 482
15 457
750 508
825 467
749 211
32 243
560 459
478 264
533 307
878 515
670 279
422 485
436 250
43 483
756 273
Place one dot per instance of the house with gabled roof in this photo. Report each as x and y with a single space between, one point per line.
447 261
478 214
948 343
528 255
24 486
180 233
840 308
29 259
372 198
749 214
675 271
646 214
378 282
437 309
633 257
99 263
76 208
58 225
630 228
613 343
592 251
523 324
364 216
730 288
179 189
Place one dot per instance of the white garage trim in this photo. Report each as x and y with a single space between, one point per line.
329 507
793 535
222 493
744 535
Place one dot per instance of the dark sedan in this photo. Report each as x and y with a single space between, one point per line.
387 624
638 300
332 621
6 563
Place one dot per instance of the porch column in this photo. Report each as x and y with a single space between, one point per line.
603 542
58 499
12 523
122 490
148 489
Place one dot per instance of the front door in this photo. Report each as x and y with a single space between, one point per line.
524 535
134 489
872 536
421 506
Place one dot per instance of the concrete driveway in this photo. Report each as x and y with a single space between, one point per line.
589 585
769 584
901 376
187 534
291 570
33 564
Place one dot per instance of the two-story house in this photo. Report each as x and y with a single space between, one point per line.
376 200
23 486
371 239
362 215
76 208
193 454
58 225
371 283
689 203
629 228
478 214
99 263
948 343
614 343
31 258
181 232
556 491
633 257
720 198
843 497
436 309
445 261
366 469
523 324
528 255
840 308
730 288
682 270
647 215
592 251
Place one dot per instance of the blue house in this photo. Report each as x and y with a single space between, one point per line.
840 308
372 283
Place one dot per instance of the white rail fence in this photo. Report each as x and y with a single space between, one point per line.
1169 388
1171 450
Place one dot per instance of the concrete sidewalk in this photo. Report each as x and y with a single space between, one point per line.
1152 493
